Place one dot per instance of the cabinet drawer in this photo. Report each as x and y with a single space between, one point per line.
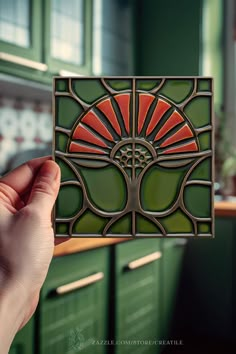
73 309
137 314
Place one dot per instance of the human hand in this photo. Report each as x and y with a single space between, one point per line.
27 196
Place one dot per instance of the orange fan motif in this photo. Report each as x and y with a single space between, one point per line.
109 128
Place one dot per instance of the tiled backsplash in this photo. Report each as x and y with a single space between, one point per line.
24 125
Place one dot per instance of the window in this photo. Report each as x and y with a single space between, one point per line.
212 51
15 22
67 31
112 38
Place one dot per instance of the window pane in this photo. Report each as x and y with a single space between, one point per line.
67 31
111 37
15 22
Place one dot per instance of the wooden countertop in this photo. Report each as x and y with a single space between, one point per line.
83 244
225 208
222 208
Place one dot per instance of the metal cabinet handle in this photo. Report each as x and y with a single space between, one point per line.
175 243
78 284
68 73
180 242
140 262
23 61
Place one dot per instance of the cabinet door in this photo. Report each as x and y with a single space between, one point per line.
24 340
137 313
172 262
68 36
73 306
20 35
207 295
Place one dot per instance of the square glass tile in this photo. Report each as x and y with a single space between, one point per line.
135 155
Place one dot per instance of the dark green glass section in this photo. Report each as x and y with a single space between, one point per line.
202 171
69 201
177 222
89 90
61 142
160 187
175 163
146 226
120 84
122 226
198 110
62 228
89 163
176 90
204 228
62 85
66 172
89 223
147 85
67 111
106 187
204 85
197 200
205 141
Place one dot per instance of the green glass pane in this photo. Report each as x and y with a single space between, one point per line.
177 222
61 142
197 200
62 228
61 85
89 223
202 171
205 141
66 172
106 187
89 90
69 201
177 90
204 85
120 84
204 228
67 111
147 85
160 187
199 111
122 226
146 226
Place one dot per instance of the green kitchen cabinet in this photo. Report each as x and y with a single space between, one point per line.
24 340
166 33
73 314
40 39
68 36
20 37
137 296
172 266
208 294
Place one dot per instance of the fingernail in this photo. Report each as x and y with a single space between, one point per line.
50 170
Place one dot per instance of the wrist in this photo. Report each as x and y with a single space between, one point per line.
12 311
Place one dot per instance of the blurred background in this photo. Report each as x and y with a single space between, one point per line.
184 302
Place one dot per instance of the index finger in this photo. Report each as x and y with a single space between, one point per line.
21 178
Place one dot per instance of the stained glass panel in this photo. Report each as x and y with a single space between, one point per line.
135 156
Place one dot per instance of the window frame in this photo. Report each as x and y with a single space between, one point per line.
56 66
33 52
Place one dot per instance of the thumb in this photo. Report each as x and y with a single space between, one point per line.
45 188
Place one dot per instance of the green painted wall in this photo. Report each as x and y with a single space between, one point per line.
167 37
